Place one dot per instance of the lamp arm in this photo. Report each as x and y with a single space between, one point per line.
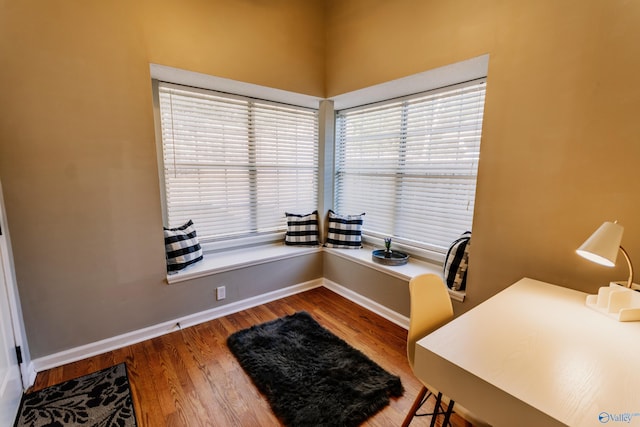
626 256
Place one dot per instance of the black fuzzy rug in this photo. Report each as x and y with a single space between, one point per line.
101 399
310 376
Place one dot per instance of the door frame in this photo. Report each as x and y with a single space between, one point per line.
27 372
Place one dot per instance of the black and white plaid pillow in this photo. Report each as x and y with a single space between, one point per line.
345 231
302 230
182 246
456 263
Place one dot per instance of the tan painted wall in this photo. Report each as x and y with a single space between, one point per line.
77 155
77 149
273 43
561 136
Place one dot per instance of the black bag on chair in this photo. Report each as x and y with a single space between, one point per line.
456 262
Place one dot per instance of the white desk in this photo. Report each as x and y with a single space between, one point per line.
535 355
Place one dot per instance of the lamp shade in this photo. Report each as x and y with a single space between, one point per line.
603 245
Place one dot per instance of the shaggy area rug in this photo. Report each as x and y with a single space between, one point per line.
310 376
100 399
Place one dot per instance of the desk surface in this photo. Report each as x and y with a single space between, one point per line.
536 355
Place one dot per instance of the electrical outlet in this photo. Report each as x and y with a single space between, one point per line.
221 293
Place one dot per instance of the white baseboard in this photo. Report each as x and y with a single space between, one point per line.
29 375
369 304
134 337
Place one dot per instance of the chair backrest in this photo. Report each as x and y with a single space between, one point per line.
430 308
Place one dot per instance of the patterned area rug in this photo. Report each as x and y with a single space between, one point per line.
101 399
310 376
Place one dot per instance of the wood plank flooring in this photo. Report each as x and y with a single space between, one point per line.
189 377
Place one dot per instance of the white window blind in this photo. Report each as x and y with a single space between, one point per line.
411 164
234 165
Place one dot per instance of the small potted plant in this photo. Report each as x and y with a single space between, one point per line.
387 247
388 257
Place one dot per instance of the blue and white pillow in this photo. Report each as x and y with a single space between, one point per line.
345 231
302 230
182 247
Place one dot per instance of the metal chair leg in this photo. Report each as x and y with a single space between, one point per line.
435 411
438 409
447 415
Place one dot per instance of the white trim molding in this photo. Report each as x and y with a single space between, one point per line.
369 304
221 84
29 374
470 69
134 337
219 262
405 272
214 263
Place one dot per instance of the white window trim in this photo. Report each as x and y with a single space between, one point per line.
385 115
406 272
271 165
205 81
220 262
470 69
463 71
269 251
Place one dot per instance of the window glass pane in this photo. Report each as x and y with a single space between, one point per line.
235 165
411 165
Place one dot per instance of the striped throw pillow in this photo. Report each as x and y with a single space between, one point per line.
345 231
182 247
302 230
456 262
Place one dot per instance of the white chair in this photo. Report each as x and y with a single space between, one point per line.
431 308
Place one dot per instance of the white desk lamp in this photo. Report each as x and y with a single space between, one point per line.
603 245
615 301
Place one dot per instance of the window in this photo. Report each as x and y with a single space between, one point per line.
234 164
411 164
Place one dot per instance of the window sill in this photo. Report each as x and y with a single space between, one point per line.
219 262
412 268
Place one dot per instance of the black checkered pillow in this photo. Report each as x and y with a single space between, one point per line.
456 263
302 230
182 246
345 231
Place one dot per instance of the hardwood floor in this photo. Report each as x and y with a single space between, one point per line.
190 378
